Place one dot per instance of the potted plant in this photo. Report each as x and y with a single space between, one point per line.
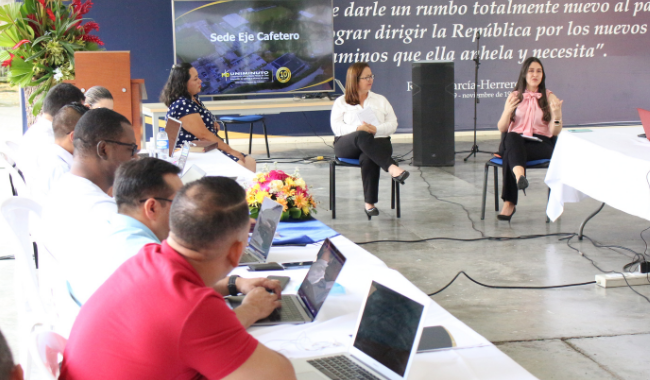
289 190
40 38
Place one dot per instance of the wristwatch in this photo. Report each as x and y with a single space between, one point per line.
232 287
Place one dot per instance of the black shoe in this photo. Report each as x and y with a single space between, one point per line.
507 217
402 177
372 212
522 184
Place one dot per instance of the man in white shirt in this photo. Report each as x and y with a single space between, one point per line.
55 159
40 134
77 209
143 190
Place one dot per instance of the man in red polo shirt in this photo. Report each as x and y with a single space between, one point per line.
162 315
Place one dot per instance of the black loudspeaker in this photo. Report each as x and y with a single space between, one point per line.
433 113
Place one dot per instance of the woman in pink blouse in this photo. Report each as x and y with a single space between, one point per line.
530 111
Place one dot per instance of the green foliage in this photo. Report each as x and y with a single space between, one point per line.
41 37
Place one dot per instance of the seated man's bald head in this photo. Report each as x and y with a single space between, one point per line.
208 211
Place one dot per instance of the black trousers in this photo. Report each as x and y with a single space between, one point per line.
373 154
516 151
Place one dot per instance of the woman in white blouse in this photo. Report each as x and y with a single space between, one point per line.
362 122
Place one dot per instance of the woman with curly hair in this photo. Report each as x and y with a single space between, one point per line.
180 94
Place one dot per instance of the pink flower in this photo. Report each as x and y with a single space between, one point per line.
277 174
265 186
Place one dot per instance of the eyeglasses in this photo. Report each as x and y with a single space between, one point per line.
134 146
158 199
369 78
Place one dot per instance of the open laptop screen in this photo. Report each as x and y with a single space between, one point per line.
267 222
388 328
321 277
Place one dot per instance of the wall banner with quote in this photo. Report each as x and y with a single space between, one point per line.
596 54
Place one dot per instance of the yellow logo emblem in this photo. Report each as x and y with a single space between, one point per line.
283 74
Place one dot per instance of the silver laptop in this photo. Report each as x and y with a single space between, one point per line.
194 173
385 343
259 245
316 286
182 159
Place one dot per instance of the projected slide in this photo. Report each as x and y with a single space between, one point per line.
263 46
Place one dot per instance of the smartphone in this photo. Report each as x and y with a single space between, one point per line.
284 280
264 266
435 338
297 264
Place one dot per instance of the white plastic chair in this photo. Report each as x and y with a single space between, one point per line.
45 347
31 310
16 177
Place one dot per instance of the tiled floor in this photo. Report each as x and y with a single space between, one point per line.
575 333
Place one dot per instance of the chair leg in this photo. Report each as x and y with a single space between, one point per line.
225 130
485 181
266 140
13 188
250 140
399 208
392 194
333 189
548 197
496 189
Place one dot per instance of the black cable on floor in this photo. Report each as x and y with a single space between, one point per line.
568 242
450 202
509 287
490 238
314 131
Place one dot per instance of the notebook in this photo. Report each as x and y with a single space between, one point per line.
385 341
259 245
304 306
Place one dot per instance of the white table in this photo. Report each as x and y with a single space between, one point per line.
610 165
473 358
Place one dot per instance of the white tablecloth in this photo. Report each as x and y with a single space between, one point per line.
473 358
216 163
609 165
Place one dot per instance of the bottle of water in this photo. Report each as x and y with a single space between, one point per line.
162 144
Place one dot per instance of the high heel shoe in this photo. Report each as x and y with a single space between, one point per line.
372 212
522 184
507 217
402 177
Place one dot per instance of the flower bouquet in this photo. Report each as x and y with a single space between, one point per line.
288 190
40 38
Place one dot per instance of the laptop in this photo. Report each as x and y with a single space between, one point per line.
185 152
385 342
192 174
304 306
645 121
173 129
259 245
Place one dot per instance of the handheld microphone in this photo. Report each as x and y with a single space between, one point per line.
478 34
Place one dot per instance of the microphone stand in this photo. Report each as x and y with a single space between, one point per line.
477 62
